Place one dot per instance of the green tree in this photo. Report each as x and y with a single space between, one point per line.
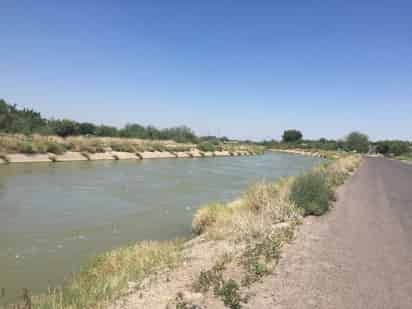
14 120
133 130
358 142
65 127
394 147
87 128
290 136
106 131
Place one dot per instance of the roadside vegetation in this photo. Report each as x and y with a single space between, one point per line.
354 142
257 226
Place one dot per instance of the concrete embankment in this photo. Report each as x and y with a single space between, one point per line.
113 155
302 152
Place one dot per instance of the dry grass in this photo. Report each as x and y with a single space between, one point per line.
207 216
30 144
258 225
337 171
19 143
111 275
233 147
263 206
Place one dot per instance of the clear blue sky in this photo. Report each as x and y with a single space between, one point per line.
245 69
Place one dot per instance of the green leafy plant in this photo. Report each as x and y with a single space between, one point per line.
311 193
230 295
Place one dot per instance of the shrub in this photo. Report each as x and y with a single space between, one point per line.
227 290
311 193
159 147
207 216
90 146
27 147
55 148
260 195
206 146
230 294
178 149
123 147
212 278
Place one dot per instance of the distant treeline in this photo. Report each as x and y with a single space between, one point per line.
28 121
355 141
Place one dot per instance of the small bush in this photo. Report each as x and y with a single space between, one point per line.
311 193
230 294
139 148
123 147
207 147
227 290
88 149
260 195
212 278
207 216
27 147
178 149
55 148
159 147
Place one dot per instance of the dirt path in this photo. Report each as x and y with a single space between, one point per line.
359 256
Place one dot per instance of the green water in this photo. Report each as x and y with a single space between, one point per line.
55 217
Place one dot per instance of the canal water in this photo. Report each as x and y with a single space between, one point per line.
55 216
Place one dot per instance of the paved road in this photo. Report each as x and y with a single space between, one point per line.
359 256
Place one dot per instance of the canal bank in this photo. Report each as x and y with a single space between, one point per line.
70 156
56 217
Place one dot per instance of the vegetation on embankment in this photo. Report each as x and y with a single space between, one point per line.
259 224
26 131
310 152
111 275
54 148
38 144
354 142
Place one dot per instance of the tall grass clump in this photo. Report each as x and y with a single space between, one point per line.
123 147
311 193
208 215
55 148
110 275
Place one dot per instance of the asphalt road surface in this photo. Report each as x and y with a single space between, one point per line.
359 256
